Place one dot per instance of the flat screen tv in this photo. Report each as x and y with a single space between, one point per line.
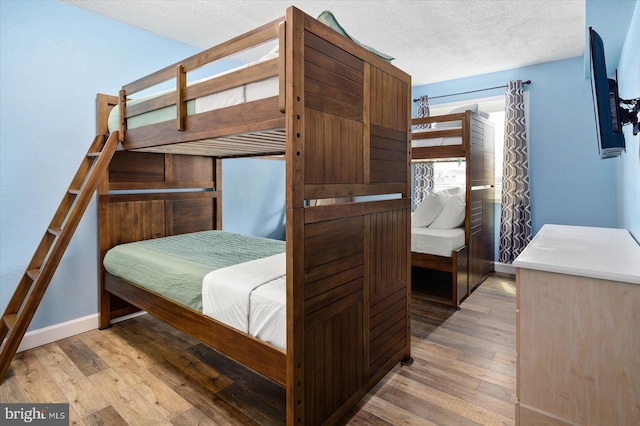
606 102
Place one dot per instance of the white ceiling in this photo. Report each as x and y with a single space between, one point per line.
432 40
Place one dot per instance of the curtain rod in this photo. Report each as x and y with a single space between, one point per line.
471 91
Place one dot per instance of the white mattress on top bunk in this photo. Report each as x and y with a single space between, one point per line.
237 95
440 242
451 140
250 297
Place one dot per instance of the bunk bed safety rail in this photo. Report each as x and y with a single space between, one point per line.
256 71
439 118
236 45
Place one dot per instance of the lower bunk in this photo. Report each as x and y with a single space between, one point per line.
439 240
428 251
226 290
357 317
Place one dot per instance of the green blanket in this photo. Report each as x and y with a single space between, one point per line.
175 266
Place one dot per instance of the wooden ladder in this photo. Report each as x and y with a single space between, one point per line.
45 261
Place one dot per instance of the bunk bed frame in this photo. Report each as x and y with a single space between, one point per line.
342 121
471 264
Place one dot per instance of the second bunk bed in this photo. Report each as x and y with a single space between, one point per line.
340 115
461 241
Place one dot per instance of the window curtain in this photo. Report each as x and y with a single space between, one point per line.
423 181
515 219
423 111
423 172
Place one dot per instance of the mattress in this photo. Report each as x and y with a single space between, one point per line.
176 266
440 242
237 95
251 297
451 140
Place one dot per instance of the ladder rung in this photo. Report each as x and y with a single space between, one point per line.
54 231
47 257
10 320
33 274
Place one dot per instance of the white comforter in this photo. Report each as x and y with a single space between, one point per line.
250 297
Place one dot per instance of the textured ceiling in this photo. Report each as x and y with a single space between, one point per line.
433 40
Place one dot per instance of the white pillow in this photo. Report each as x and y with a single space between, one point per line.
427 211
452 213
458 123
445 194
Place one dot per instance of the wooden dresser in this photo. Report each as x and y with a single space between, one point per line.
578 328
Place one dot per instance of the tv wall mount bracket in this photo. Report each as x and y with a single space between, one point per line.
629 109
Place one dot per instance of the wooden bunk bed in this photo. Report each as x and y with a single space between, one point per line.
341 119
473 142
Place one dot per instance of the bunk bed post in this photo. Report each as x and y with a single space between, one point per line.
104 104
218 190
181 105
408 360
294 116
122 95
348 264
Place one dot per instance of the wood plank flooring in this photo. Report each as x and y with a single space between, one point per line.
142 371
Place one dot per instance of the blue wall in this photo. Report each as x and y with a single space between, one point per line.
628 191
54 58
254 197
569 183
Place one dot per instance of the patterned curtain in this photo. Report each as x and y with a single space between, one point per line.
423 182
423 111
515 219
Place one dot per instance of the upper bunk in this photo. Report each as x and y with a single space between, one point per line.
450 136
247 111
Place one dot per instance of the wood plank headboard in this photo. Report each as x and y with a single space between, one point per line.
152 195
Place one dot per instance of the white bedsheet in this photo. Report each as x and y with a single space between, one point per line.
451 140
250 297
247 93
268 312
440 242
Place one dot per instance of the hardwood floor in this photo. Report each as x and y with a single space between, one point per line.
142 371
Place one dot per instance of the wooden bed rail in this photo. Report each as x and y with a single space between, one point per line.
439 118
238 44
184 93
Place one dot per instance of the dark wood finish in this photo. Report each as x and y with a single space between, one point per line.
261 357
476 260
251 117
457 265
352 255
140 214
344 134
432 261
237 44
460 275
181 103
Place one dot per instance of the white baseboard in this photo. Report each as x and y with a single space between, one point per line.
504 268
43 336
